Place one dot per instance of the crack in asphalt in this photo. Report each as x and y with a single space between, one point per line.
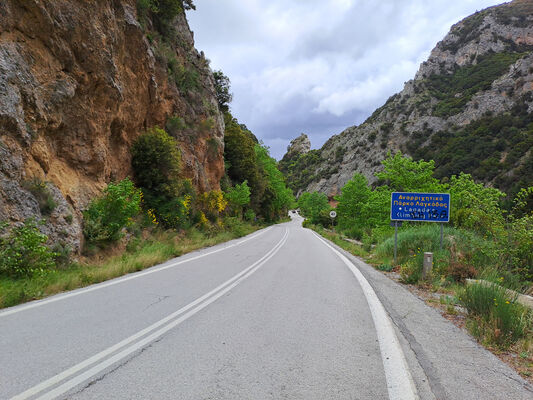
112 370
160 298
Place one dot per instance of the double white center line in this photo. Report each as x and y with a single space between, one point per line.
91 367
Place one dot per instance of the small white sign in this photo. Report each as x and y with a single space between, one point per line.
333 214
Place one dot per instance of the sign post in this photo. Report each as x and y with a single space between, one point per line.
332 215
419 207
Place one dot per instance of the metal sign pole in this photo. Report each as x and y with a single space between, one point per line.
441 233
395 240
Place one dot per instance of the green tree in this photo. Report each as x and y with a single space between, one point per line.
240 159
163 12
156 165
280 198
475 206
239 196
311 205
402 174
115 209
23 251
352 201
222 88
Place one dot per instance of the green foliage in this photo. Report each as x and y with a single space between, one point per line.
475 206
501 320
239 155
239 196
281 198
115 209
222 88
247 160
352 204
175 125
300 169
163 12
23 251
156 165
312 204
249 215
455 91
492 149
518 247
402 174
42 194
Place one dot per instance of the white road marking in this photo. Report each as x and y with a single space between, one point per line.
172 321
116 281
400 384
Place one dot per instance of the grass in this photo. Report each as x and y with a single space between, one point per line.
494 317
139 254
336 238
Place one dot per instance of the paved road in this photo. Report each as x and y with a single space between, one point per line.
280 314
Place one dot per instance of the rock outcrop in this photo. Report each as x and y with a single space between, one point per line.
469 107
300 145
79 82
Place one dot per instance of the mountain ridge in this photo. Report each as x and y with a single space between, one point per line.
479 77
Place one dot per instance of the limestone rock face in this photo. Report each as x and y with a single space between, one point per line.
300 145
80 80
412 120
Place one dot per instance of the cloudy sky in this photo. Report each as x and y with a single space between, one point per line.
318 66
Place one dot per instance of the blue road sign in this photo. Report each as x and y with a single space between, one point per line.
425 207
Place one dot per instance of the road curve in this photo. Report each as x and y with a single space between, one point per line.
280 314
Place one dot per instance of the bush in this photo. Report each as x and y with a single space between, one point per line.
249 215
22 250
497 316
107 215
411 271
42 194
156 165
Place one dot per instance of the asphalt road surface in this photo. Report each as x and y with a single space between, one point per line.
279 314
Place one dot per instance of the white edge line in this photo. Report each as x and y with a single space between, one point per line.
122 279
400 384
207 299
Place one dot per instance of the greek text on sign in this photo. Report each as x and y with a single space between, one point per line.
425 207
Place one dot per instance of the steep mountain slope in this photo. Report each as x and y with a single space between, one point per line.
79 82
469 107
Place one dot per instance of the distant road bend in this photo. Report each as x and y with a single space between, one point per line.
280 314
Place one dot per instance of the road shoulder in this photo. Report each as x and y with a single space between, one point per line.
446 363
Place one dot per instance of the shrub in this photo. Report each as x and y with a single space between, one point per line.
212 203
106 216
22 250
239 196
311 205
42 194
411 271
249 215
156 166
496 315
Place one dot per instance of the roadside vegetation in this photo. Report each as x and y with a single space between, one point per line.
487 253
150 217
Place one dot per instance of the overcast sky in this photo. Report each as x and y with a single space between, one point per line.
318 66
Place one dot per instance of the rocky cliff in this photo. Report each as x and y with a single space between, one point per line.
80 80
469 107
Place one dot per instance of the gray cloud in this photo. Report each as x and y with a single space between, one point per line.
318 66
